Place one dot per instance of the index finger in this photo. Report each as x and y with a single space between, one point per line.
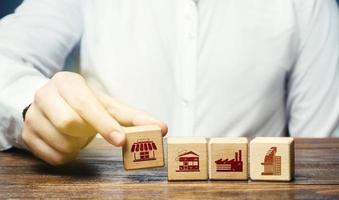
128 116
83 101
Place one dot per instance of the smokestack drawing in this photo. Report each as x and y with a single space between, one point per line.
230 165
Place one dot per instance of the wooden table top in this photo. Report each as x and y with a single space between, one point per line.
99 173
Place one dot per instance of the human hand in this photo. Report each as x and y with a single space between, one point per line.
66 115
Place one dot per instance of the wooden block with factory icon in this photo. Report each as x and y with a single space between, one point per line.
272 158
228 158
187 159
143 147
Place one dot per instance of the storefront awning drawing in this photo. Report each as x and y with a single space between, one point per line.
143 145
143 150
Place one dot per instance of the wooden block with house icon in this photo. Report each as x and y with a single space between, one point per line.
187 159
143 147
272 158
228 158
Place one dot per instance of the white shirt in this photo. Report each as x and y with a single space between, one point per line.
219 68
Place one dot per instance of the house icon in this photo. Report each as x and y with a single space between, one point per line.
189 162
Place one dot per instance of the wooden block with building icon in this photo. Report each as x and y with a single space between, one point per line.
272 158
228 158
187 159
143 147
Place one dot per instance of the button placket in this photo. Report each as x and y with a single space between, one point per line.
189 66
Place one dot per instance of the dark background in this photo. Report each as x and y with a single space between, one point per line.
8 6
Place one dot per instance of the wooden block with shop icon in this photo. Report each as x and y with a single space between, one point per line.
272 158
143 147
187 159
228 158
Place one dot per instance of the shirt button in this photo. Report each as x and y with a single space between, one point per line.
193 4
185 103
190 36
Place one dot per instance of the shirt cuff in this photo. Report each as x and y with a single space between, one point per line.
10 128
17 91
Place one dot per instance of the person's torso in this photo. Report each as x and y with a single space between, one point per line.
216 69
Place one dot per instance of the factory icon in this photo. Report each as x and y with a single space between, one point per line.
272 163
233 165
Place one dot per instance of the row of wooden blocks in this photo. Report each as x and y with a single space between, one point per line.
267 158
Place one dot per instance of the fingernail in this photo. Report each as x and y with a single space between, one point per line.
117 138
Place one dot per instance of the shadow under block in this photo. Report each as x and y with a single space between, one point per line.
187 159
228 158
272 158
143 147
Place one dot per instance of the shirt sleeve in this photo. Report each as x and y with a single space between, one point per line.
34 42
313 83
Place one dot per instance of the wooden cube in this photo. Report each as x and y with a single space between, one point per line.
272 158
143 147
228 158
187 159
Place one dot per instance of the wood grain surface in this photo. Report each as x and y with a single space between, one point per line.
99 173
